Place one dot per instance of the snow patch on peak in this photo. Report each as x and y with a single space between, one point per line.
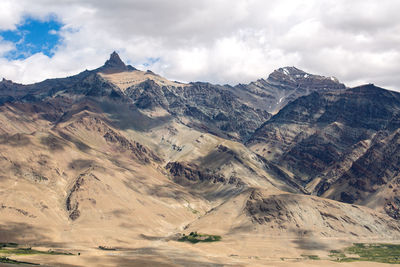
285 70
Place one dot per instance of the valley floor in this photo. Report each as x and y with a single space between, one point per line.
232 251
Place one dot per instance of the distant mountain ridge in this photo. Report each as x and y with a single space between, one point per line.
231 112
282 86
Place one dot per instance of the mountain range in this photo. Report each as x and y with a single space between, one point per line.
127 160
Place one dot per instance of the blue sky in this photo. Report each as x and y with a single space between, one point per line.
33 36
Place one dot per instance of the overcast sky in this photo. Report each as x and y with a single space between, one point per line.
219 41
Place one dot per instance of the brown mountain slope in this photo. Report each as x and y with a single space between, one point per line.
341 145
280 214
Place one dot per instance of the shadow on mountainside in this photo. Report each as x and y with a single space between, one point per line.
306 241
22 233
53 143
126 117
15 140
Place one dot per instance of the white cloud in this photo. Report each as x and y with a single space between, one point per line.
218 41
10 14
5 46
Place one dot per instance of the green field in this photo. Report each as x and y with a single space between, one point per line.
10 261
194 238
311 257
380 252
28 251
10 249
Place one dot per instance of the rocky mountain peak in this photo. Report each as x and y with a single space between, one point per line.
114 61
291 71
282 86
4 80
114 65
292 76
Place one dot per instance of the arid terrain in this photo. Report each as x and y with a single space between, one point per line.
116 164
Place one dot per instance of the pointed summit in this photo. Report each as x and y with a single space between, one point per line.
114 65
288 72
292 76
114 61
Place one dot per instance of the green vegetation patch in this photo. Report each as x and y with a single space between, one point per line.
10 261
15 250
106 248
194 238
8 245
384 253
311 257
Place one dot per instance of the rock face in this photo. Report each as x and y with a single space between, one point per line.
210 108
305 215
189 173
115 65
342 145
230 112
282 86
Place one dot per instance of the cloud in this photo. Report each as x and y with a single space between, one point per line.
5 47
219 41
